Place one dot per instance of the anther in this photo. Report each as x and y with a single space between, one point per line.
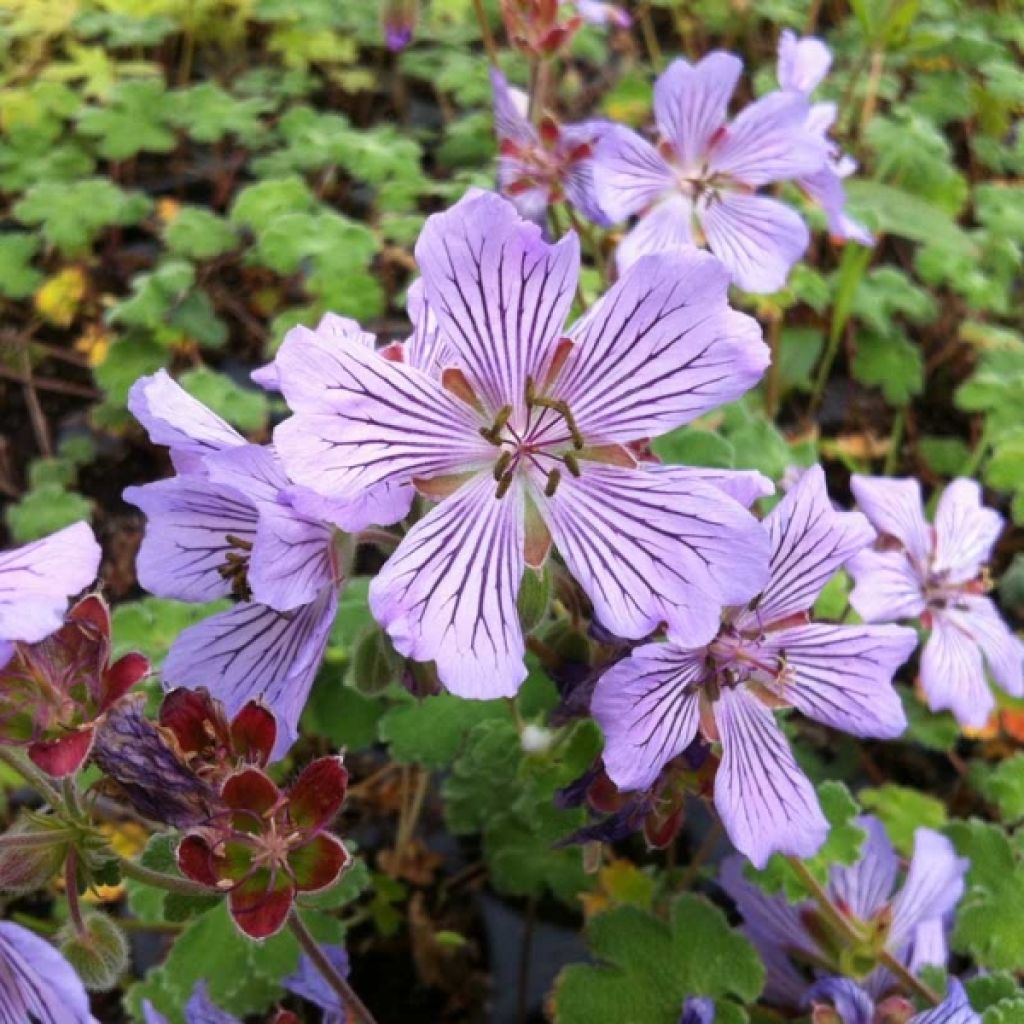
502 464
571 463
503 485
552 485
556 405
493 432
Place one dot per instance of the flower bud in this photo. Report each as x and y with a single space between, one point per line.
375 665
535 739
30 865
534 598
99 954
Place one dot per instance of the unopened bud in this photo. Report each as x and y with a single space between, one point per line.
31 853
375 665
99 954
534 598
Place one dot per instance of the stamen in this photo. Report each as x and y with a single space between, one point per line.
238 542
557 405
571 463
552 485
504 484
493 432
502 464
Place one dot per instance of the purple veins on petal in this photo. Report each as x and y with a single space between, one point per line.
936 575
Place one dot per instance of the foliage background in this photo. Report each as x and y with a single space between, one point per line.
183 180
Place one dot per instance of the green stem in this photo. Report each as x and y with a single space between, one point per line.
843 925
36 840
160 880
907 979
71 891
895 441
330 974
19 761
485 32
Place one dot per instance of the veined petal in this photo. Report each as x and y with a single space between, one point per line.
510 120
659 349
758 239
1002 649
769 141
894 507
500 292
825 187
952 673
252 652
172 417
425 349
650 548
803 63
845 996
765 801
448 594
742 485
293 559
691 101
810 541
388 422
865 887
200 1009
647 707
36 983
380 505
773 925
665 227
578 180
186 540
954 1009
629 173
965 531
842 675
252 470
933 887
37 579
887 586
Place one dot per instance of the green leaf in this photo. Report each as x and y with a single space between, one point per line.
944 455
902 811
208 114
647 967
135 121
340 713
988 989
152 624
891 363
431 731
18 278
71 216
934 730
691 446
896 211
988 917
256 205
1003 784
197 234
243 407
45 509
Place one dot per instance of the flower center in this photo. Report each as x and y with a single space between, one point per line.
544 437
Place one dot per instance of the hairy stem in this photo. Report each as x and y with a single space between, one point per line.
160 880
330 974
20 762
71 891
841 923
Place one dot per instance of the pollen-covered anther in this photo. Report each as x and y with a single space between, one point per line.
571 463
552 485
236 567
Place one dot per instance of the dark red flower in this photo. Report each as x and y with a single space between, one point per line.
53 693
535 26
269 845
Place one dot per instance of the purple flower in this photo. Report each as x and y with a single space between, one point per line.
594 12
232 525
37 983
523 442
540 166
36 581
935 576
842 1001
767 654
697 1010
398 18
308 983
908 920
698 185
803 64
